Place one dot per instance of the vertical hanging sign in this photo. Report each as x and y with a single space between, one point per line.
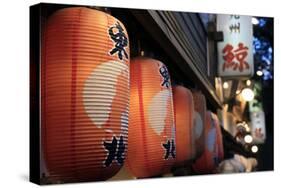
235 52
258 126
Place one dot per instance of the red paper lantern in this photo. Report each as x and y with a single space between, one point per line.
151 143
85 98
205 163
183 110
213 151
199 121
219 140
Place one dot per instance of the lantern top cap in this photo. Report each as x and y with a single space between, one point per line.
87 10
145 59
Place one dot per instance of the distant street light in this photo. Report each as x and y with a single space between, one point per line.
255 21
225 85
248 94
259 73
248 139
255 149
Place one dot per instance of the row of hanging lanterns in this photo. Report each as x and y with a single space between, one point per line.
88 85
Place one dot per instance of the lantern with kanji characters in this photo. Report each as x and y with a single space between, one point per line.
258 130
151 142
199 121
213 148
85 95
183 110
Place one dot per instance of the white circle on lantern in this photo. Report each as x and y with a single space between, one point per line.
157 110
211 139
100 89
198 122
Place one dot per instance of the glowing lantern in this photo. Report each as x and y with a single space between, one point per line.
219 152
183 110
199 121
213 151
258 130
85 98
151 140
205 163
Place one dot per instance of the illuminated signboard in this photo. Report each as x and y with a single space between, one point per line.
258 126
235 52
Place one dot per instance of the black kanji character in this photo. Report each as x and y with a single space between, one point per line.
115 151
120 40
170 149
121 150
165 74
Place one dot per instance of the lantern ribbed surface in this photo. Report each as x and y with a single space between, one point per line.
85 95
183 110
219 151
206 163
213 150
151 141
199 120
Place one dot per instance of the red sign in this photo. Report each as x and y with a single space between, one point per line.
235 58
